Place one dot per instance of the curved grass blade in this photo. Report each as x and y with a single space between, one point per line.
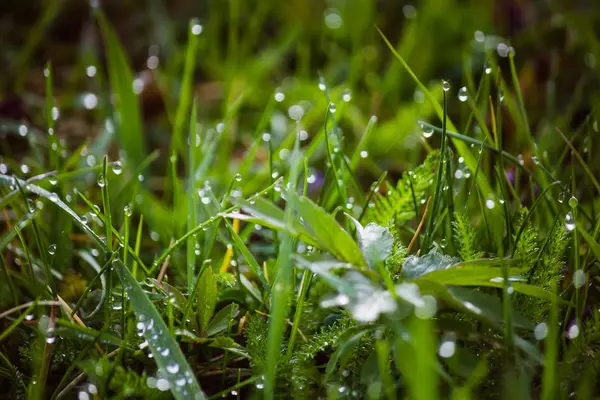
167 354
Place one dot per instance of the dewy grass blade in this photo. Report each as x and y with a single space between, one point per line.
167 354
115 233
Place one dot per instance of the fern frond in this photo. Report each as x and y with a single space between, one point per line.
466 237
398 203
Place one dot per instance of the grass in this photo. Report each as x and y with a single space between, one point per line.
339 206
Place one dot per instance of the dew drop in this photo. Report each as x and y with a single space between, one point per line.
579 278
279 96
90 71
196 28
462 94
322 85
490 204
23 130
90 101
447 349
52 249
573 331
364 154
332 108
90 160
445 85
296 112
127 211
347 95
427 131
569 222
173 368
162 384
540 331
101 181
117 168
238 177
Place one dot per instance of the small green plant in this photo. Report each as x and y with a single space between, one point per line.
248 255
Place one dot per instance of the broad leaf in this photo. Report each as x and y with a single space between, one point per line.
222 320
330 234
375 242
415 266
263 212
207 297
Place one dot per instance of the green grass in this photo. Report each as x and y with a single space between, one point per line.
318 209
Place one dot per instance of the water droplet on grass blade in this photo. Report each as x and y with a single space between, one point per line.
573 331
569 222
322 85
89 101
196 27
117 168
445 85
90 71
347 95
52 249
296 112
462 94
447 349
427 131
162 385
579 278
23 130
332 108
540 331
279 96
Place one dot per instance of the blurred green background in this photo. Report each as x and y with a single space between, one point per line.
251 50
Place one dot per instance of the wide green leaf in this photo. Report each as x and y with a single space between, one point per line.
207 297
263 212
330 234
375 242
222 319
